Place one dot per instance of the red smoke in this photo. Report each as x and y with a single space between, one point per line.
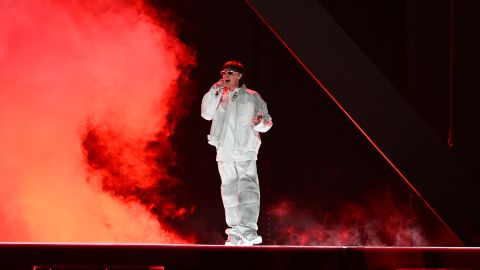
86 111
380 222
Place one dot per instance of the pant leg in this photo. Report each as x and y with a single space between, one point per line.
229 191
248 196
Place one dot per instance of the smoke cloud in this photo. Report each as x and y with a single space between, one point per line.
86 110
378 222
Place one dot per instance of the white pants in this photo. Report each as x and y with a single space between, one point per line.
240 195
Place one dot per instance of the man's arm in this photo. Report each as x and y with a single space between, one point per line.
210 102
263 119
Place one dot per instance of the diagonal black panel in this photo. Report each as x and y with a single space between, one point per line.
377 109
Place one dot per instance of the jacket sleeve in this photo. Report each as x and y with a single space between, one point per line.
266 122
210 102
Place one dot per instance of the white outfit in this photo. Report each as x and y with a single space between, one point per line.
237 141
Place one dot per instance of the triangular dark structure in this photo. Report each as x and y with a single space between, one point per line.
369 100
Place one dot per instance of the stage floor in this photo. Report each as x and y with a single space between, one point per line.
152 256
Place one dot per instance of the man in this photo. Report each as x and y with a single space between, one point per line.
238 115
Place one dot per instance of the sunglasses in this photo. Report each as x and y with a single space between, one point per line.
226 72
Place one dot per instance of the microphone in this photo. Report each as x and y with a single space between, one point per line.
219 85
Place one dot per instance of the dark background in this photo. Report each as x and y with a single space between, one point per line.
313 157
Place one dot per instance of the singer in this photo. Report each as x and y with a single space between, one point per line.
238 115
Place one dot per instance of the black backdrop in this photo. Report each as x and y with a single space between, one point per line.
313 157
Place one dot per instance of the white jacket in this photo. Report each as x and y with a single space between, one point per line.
249 104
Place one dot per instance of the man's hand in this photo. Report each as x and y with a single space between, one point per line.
257 119
220 85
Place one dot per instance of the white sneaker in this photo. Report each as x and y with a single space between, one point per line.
231 241
234 238
250 240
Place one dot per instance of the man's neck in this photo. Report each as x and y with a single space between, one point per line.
233 87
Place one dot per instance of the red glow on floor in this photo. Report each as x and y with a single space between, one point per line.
377 222
86 93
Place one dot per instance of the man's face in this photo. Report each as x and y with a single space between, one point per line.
231 77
